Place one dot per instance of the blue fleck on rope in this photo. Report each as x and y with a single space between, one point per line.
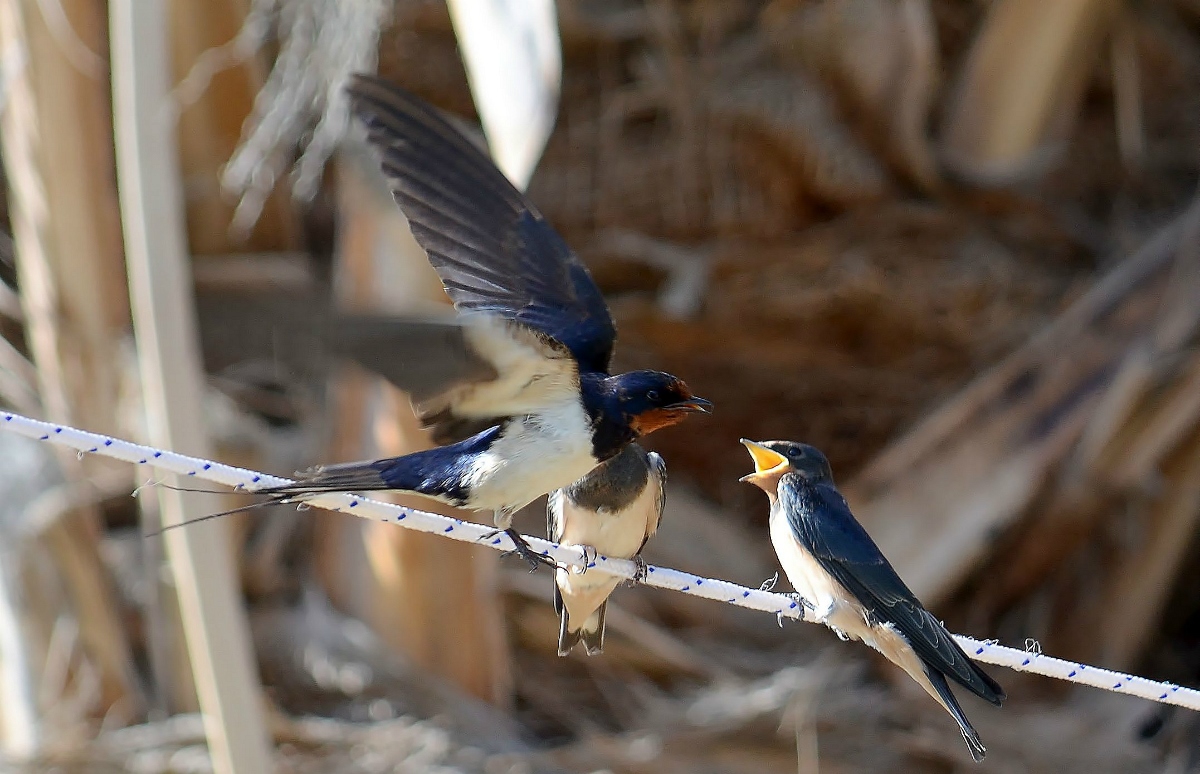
986 651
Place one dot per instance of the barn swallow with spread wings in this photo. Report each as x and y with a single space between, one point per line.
835 566
518 383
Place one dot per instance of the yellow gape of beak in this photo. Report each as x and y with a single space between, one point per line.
768 465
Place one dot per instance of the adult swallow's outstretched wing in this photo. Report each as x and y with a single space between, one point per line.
528 307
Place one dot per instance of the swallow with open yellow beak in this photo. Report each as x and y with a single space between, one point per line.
842 576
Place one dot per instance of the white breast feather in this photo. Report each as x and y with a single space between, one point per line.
618 534
535 454
613 533
834 605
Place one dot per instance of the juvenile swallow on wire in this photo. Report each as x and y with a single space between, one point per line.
614 510
518 383
841 575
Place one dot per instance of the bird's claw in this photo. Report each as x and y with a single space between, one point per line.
798 601
522 549
641 571
589 558
801 601
769 583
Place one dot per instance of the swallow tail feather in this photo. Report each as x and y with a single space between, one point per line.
354 476
982 685
948 700
567 639
591 634
433 472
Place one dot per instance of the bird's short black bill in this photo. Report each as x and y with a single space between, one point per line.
699 405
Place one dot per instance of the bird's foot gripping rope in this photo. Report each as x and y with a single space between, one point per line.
589 559
986 651
522 549
641 571
797 599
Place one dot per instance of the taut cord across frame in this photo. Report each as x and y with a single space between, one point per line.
986 651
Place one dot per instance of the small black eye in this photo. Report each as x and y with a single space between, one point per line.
652 395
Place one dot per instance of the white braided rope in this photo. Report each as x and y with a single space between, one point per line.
722 591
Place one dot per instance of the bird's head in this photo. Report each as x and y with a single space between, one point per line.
772 459
651 400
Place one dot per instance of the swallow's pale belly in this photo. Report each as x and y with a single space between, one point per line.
535 454
840 610
618 534
831 600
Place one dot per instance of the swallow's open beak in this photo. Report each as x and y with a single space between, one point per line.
692 404
769 465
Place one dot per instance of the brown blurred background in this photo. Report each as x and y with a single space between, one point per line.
955 244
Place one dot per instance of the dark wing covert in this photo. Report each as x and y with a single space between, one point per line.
658 469
821 520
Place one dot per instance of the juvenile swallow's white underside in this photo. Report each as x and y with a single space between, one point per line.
618 534
838 609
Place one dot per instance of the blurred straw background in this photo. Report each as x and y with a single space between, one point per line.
955 244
